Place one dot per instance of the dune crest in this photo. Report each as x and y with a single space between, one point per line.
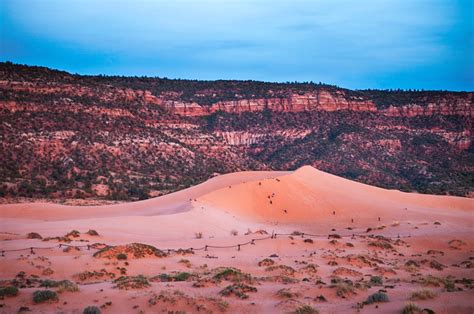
308 194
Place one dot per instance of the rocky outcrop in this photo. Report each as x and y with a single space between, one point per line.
456 108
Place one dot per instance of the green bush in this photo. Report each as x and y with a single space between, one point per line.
9 291
376 281
41 296
377 297
91 310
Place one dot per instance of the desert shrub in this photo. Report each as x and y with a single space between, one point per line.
131 282
74 234
308 241
9 291
423 294
92 232
411 308
436 265
173 277
343 287
284 269
231 274
41 296
306 309
376 281
91 310
181 276
377 297
266 262
234 232
67 286
121 256
34 235
198 235
334 236
62 285
449 285
239 289
286 293
381 244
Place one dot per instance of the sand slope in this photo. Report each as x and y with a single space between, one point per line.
306 200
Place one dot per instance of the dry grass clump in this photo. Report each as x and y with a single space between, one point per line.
381 244
240 290
73 233
34 235
184 251
411 308
95 275
92 232
287 293
234 232
437 265
131 282
343 271
285 270
266 262
306 309
456 244
344 288
376 281
185 262
310 268
62 285
423 294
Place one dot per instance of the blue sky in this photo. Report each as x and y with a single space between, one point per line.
351 43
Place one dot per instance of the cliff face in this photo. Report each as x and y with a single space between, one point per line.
321 101
65 135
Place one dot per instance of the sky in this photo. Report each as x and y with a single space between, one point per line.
358 44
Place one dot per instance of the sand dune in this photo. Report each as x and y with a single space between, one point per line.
168 204
312 196
306 200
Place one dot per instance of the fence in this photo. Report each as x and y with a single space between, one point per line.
205 247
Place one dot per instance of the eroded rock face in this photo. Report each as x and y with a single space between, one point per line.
68 136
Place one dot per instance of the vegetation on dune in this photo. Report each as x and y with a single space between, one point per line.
306 309
240 290
41 296
9 291
91 310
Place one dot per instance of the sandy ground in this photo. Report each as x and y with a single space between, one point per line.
426 243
